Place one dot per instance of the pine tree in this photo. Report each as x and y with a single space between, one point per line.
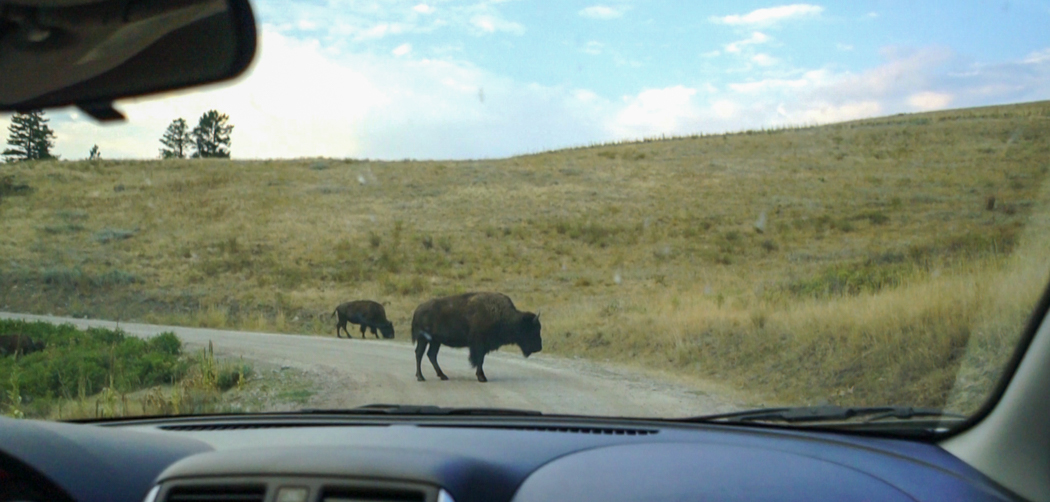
31 138
177 139
212 135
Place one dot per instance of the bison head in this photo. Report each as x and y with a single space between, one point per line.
387 330
529 334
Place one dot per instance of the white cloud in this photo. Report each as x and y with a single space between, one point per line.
490 23
593 47
770 85
298 101
843 47
925 101
1037 57
770 15
424 9
907 81
343 24
756 38
655 111
725 109
586 96
763 59
402 49
601 12
823 113
907 70
381 30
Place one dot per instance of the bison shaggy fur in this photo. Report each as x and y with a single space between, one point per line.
483 322
368 314
18 343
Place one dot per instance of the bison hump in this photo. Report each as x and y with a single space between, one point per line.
492 308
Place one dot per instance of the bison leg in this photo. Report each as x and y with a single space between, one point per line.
363 328
373 328
477 358
433 355
421 347
338 325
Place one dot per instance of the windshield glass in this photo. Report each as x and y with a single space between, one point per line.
670 209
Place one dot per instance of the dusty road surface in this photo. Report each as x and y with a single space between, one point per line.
356 372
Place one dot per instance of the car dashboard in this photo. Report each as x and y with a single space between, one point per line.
297 458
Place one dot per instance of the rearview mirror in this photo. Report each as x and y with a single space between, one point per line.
90 52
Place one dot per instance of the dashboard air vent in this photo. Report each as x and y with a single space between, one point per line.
340 493
217 493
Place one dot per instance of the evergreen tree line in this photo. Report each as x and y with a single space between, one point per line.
30 138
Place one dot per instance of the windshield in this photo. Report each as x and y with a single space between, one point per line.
666 209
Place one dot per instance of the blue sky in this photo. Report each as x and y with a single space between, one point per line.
491 78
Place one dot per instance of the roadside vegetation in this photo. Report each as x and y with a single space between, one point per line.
867 262
99 373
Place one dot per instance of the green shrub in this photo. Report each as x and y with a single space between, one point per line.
232 375
79 363
166 343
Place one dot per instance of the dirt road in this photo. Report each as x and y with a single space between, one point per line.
357 372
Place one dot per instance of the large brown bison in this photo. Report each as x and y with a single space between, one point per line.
19 344
481 321
369 314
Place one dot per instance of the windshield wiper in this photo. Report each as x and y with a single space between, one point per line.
812 414
402 409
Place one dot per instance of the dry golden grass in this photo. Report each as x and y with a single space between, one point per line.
878 263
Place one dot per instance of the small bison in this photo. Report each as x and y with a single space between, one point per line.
369 314
18 344
483 322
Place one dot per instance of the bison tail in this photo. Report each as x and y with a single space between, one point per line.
334 312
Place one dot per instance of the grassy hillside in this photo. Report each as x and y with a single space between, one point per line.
850 263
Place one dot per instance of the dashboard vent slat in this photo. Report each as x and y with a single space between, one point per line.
217 493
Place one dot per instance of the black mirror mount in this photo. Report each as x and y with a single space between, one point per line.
101 111
89 53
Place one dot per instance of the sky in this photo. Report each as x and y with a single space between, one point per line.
449 79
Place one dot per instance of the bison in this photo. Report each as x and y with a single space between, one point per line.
369 314
483 322
19 343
